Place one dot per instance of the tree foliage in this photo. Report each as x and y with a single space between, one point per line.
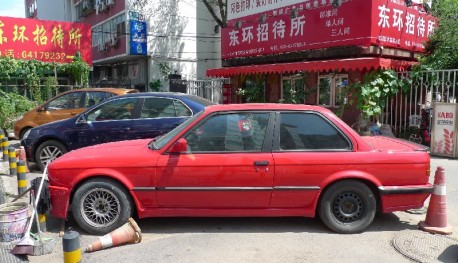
442 46
376 88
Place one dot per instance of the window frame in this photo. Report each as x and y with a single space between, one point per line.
333 101
276 143
268 136
292 79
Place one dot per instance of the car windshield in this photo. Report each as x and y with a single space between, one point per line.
158 143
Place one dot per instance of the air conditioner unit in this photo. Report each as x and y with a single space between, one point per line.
110 2
102 47
113 41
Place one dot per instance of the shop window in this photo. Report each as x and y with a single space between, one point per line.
330 88
293 89
254 89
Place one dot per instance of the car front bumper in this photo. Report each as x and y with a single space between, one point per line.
60 197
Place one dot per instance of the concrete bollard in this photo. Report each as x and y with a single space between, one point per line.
5 148
72 247
12 160
21 177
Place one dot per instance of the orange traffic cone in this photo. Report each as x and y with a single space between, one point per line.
20 153
436 217
128 233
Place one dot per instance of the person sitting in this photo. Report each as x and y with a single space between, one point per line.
374 127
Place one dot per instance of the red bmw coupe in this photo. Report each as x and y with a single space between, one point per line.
263 160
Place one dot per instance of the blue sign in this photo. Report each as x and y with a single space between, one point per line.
138 37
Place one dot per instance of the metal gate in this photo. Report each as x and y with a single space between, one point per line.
208 89
412 112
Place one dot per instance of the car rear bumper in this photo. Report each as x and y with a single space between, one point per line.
60 197
401 198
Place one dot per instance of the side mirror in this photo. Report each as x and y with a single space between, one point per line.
41 108
180 146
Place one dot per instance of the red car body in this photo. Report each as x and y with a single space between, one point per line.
269 182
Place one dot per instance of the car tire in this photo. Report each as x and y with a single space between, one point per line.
101 205
49 151
348 207
23 131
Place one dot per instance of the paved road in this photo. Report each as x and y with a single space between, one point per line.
262 239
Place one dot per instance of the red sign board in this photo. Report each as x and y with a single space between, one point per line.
48 41
316 24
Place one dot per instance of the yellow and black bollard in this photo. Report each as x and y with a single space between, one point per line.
5 148
12 160
21 177
72 248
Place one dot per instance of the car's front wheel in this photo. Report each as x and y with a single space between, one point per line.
348 207
101 205
48 151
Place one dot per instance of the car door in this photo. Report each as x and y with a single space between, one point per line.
62 107
228 164
110 121
159 115
307 150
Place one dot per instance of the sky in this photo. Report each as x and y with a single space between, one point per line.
13 8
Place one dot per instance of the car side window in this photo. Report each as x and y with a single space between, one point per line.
67 101
120 109
94 97
233 132
181 109
308 131
163 108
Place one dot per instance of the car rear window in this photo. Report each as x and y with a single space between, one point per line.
201 100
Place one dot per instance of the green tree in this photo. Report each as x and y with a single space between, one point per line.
442 46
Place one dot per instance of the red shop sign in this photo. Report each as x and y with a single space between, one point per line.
49 41
316 24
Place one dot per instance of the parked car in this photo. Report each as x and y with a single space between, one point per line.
63 106
244 160
126 117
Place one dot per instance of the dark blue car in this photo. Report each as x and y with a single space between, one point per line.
127 117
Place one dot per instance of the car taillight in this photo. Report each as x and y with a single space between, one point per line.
428 170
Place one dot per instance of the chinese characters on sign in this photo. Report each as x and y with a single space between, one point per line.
316 24
138 37
49 41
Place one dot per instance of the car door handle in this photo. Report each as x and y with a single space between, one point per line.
261 163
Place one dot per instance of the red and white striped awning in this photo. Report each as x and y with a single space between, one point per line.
352 64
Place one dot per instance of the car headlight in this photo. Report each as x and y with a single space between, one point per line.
26 134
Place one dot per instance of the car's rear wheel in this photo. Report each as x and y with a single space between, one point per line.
48 151
348 207
101 205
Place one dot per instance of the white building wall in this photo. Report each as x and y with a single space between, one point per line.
54 10
181 36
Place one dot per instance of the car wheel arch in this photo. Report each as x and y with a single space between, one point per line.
371 184
24 130
45 139
94 176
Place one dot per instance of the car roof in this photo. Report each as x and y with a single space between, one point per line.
175 95
265 106
118 91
